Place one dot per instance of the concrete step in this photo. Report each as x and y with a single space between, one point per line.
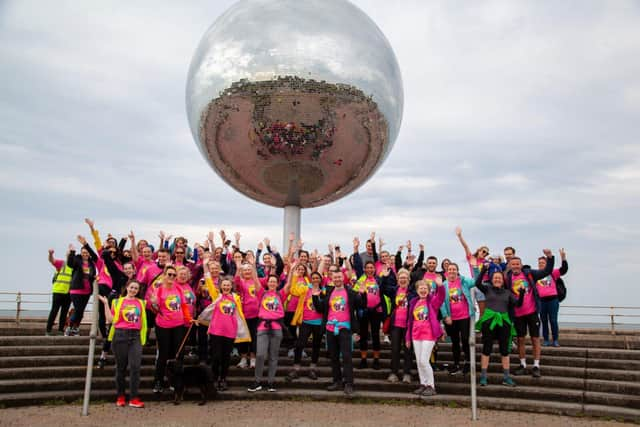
360 396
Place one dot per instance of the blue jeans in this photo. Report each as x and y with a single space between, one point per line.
549 314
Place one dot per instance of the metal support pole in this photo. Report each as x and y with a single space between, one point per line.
92 351
18 303
613 322
291 224
472 359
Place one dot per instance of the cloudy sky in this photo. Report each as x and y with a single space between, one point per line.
521 124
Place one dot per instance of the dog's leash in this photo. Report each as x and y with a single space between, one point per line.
184 340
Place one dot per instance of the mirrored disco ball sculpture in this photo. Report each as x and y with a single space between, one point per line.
294 103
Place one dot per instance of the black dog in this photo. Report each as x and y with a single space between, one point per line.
182 377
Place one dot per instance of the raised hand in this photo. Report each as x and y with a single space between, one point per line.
90 223
132 236
71 248
260 246
438 280
421 246
237 236
82 240
563 254
372 237
356 243
223 236
458 231
292 237
161 235
400 248
380 243
409 245
51 252
267 242
210 236
300 244
547 253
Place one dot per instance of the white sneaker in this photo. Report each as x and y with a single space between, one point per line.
243 363
304 354
291 353
252 364
393 378
386 339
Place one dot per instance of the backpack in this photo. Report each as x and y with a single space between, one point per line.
561 288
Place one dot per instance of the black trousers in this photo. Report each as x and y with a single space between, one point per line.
79 302
246 347
169 340
374 319
397 346
203 343
307 330
459 333
220 353
289 339
340 344
59 302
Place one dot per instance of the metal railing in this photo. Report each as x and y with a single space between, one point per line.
38 303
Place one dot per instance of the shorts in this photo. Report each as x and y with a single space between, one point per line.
530 322
479 295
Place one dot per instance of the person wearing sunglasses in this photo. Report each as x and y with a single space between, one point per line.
172 313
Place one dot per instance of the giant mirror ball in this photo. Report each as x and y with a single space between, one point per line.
294 102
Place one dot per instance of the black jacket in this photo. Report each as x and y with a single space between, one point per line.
75 262
355 299
118 278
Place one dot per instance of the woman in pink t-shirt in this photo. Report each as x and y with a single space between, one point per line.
247 285
423 330
127 334
400 300
168 302
269 336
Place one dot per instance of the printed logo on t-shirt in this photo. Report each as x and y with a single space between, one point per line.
270 303
131 313
519 284
455 296
252 290
338 303
372 288
172 302
421 313
401 301
227 307
189 298
545 283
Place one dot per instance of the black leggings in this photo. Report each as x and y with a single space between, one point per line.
459 331
246 347
59 302
398 345
500 333
79 302
104 291
220 353
373 318
305 331
169 340
203 344
290 338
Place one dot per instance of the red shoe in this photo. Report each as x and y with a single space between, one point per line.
136 403
121 400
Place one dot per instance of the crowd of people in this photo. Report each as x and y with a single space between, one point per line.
216 297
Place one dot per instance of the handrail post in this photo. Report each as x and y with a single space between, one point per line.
18 303
613 323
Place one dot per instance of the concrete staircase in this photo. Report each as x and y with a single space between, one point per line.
592 374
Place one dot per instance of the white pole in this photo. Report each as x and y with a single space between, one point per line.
92 344
291 224
472 358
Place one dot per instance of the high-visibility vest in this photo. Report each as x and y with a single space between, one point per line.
62 280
